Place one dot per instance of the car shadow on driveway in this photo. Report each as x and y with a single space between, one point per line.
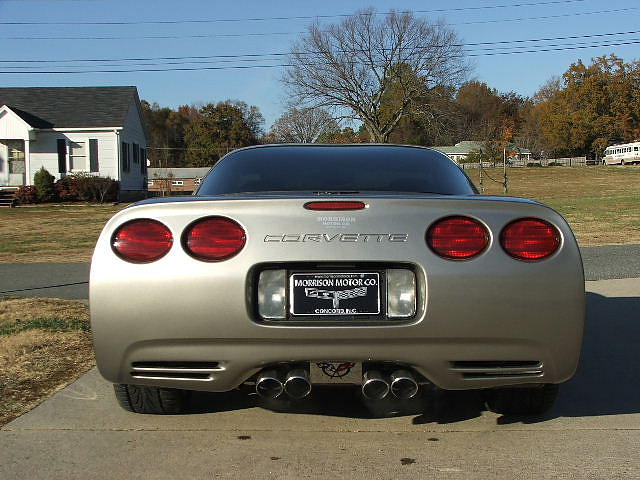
607 381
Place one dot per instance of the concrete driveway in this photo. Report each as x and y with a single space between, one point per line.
593 431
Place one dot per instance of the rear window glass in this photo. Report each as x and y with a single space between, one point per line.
336 169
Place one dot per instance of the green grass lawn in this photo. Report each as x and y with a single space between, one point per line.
601 203
51 233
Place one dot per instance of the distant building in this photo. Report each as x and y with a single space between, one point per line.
175 181
66 130
459 152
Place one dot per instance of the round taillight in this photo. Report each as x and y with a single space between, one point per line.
457 238
142 241
214 238
530 239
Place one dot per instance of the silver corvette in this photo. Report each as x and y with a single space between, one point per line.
371 265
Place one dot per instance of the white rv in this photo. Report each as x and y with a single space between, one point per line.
623 154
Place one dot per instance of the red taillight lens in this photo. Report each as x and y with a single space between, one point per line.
457 238
530 239
142 241
214 238
335 205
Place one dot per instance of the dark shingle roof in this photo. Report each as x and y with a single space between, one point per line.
69 107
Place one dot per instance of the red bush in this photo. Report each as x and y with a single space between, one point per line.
26 194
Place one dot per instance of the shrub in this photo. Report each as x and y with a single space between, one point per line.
556 164
26 194
534 164
87 188
43 183
67 189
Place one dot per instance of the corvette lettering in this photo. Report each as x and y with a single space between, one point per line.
337 237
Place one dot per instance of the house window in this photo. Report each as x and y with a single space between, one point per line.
150 183
177 183
136 153
16 156
197 181
77 156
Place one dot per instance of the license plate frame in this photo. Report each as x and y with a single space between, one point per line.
334 294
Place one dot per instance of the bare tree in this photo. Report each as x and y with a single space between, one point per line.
353 66
303 125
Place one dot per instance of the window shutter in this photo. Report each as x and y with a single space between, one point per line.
143 161
94 166
125 157
62 155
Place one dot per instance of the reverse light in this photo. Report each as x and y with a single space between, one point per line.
530 239
272 297
142 241
335 205
457 238
213 239
401 293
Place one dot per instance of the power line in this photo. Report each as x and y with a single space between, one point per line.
542 49
298 17
261 56
42 288
266 34
549 17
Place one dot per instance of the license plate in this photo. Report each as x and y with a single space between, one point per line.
336 294
336 373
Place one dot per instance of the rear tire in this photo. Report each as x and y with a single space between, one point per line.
153 400
522 400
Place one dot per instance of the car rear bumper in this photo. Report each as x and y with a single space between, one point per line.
481 323
220 365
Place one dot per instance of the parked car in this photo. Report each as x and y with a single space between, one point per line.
299 265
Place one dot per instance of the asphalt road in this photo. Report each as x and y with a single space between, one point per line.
70 280
593 431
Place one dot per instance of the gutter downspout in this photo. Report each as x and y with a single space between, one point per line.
118 161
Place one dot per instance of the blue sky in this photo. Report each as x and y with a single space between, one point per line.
217 28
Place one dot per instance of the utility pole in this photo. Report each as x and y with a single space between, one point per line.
504 171
480 165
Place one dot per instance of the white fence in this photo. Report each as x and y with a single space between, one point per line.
564 162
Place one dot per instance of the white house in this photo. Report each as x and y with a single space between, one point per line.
459 152
97 130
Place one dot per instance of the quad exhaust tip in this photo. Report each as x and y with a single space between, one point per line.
400 383
297 385
404 385
374 385
269 384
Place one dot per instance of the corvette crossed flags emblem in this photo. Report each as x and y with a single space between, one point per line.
335 295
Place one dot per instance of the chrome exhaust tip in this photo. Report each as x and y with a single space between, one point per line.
297 384
374 386
269 384
403 385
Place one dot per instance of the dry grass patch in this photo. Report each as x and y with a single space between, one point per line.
23 310
44 345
